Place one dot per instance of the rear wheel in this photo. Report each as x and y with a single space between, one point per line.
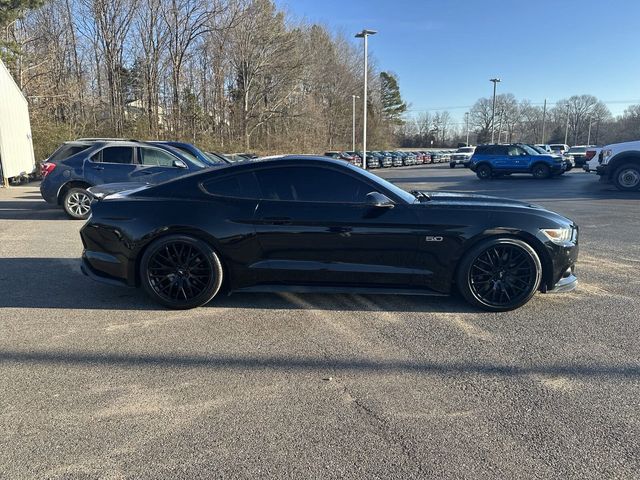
452 164
181 272
500 274
484 172
541 171
77 203
627 177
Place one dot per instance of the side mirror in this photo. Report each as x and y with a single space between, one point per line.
378 200
179 164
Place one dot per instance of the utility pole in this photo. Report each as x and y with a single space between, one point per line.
364 34
500 128
466 116
544 119
353 125
493 110
589 134
566 128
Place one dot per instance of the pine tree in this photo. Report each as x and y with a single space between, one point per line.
11 10
392 104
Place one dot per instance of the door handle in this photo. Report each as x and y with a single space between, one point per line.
277 220
98 168
144 172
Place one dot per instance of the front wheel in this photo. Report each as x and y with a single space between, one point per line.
77 203
541 171
500 274
452 164
181 272
627 178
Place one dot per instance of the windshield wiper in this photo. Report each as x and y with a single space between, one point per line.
421 196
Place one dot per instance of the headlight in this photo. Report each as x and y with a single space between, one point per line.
558 235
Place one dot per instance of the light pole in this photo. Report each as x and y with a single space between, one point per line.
544 118
589 134
566 128
365 34
493 109
466 117
353 125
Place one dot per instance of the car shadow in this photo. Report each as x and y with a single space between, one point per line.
59 283
217 362
30 210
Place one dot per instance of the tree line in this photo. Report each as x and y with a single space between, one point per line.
579 119
228 75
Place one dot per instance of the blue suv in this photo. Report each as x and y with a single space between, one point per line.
79 165
489 161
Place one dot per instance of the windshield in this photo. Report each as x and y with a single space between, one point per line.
191 157
465 150
530 150
577 150
539 149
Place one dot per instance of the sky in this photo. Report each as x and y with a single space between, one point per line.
445 51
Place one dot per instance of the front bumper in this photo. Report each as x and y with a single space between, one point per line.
602 170
567 283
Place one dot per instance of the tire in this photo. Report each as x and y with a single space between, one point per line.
627 177
541 171
77 203
484 172
452 165
499 274
181 272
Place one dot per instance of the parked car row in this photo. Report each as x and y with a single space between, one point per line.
390 158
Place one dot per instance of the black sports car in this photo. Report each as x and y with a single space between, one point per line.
313 224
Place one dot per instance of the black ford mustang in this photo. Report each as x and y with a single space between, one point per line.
315 224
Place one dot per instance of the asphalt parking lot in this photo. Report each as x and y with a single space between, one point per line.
98 382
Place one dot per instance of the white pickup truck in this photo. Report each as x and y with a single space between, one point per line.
619 163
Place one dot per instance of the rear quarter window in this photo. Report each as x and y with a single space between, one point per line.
240 185
66 151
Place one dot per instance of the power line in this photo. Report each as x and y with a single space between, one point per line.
458 107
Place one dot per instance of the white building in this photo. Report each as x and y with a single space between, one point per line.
16 148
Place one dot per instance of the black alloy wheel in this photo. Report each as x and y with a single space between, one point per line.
500 275
541 171
181 272
484 172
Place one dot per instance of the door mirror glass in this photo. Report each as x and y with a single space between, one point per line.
179 164
379 200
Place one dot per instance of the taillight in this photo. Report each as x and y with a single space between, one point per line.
590 154
46 168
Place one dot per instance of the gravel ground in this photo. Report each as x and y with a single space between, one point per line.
98 382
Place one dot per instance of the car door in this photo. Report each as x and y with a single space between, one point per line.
499 158
314 228
519 159
112 164
157 165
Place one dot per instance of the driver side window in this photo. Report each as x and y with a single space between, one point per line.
311 184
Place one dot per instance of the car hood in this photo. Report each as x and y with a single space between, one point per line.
488 203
